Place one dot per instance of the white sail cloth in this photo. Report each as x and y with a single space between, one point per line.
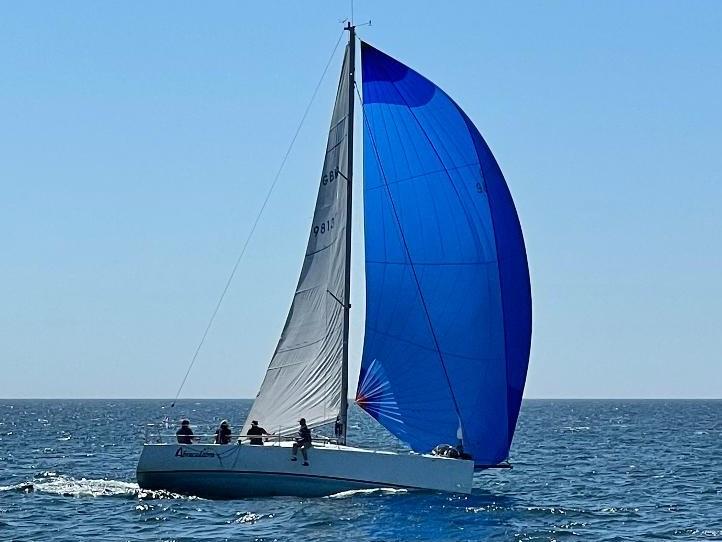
303 379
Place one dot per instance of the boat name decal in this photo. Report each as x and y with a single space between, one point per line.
182 452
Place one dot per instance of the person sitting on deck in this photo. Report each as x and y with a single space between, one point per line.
256 429
303 441
184 433
223 433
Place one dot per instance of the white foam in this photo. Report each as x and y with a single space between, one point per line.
83 487
365 492
51 483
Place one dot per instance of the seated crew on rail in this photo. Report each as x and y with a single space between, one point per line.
223 433
303 441
256 429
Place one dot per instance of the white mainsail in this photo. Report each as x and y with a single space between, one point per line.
304 378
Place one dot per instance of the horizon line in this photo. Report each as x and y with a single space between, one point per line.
169 400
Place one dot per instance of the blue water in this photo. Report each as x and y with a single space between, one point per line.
585 470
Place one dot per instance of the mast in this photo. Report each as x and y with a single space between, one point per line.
349 192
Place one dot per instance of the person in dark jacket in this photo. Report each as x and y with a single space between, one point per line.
338 429
223 433
303 441
256 429
184 433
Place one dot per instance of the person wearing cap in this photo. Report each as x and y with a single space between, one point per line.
223 433
303 441
184 433
256 429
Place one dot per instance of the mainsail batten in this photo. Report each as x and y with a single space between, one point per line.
305 375
447 288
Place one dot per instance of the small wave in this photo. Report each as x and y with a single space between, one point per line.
619 510
548 509
493 507
555 510
249 517
365 492
700 533
24 487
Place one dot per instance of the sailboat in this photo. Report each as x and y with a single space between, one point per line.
448 315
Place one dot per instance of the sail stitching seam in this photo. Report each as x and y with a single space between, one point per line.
443 170
423 347
492 262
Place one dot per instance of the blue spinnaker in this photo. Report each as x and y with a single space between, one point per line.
448 300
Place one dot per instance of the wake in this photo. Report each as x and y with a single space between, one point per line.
51 483
67 486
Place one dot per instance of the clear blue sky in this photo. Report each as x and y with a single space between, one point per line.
137 141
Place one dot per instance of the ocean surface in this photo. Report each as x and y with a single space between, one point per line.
583 470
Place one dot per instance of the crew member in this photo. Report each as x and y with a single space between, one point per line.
223 433
303 441
338 429
184 433
256 429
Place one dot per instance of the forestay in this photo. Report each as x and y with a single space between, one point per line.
304 376
448 302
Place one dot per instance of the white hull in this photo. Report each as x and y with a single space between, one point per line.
237 471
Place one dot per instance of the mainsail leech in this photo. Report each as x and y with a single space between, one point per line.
448 318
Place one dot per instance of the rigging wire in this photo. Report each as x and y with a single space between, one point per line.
256 221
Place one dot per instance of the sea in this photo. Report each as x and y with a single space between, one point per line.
582 470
